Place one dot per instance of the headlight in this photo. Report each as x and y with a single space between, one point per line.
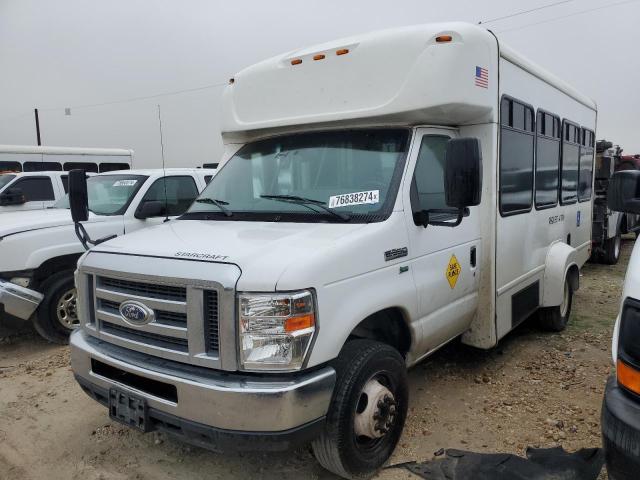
275 329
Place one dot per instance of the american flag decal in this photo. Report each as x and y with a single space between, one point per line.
482 77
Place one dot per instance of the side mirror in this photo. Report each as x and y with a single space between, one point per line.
13 196
463 173
624 192
78 198
152 208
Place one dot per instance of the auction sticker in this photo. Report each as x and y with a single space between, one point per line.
125 183
357 198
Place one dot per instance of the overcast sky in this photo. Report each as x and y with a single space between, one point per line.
70 53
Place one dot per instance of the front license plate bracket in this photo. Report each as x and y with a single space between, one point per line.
129 409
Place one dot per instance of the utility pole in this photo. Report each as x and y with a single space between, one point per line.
35 111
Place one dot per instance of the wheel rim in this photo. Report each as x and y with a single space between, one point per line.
376 412
617 246
564 308
66 311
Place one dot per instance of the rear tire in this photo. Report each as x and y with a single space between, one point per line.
365 369
555 319
612 249
56 316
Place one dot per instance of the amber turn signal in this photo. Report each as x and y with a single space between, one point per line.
296 61
628 377
302 322
319 56
443 38
342 51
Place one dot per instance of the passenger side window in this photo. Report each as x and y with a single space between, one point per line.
180 194
42 167
86 166
585 177
36 189
65 183
111 167
570 162
547 159
427 189
517 137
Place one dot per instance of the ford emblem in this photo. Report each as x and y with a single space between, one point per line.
136 313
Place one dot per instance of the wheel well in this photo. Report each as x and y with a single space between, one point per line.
386 326
573 277
54 265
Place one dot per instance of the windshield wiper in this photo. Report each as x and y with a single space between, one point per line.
218 203
307 202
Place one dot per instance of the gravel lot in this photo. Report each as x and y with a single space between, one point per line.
533 389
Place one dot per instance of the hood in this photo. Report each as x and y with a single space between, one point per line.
262 250
27 220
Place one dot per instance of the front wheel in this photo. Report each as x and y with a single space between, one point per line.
367 411
555 319
57 315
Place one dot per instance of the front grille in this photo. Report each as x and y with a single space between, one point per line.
179 330
162 317
162 292
162 341
211 320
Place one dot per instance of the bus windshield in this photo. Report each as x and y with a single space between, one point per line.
345 175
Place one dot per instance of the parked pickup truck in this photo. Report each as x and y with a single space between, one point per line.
31 190
39 248
621 406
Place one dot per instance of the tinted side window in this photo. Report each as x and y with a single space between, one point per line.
42 167
585 176
547 160
111 167
181 192
516 157
65 183
428 184
37 189
10 167
570 162
86 166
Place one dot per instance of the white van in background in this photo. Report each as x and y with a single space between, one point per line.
380 195
39 248
28 158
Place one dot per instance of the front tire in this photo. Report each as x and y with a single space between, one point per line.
367 411
57 316
555 319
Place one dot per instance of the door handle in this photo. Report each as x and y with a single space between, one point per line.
473 257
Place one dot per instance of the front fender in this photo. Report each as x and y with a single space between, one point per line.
562 260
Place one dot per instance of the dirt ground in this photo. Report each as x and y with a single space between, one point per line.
535 389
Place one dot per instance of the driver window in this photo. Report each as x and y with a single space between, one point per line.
427 190
180 194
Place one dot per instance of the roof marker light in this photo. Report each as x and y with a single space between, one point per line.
319 56
443 38
342 51
296 61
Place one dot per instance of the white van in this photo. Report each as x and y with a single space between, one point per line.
379 196
29 158
621 406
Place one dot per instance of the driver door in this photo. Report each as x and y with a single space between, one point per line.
444 266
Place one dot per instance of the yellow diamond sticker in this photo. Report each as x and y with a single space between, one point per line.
453 271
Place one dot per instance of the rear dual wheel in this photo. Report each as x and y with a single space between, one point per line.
555 319
367 411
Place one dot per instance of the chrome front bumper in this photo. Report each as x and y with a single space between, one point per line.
18 301
223 400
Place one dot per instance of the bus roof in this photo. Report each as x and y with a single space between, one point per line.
65 150
422 74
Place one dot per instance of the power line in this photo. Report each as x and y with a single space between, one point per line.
137 99
522 12
611 5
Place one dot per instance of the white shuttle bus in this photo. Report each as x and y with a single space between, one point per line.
379 196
